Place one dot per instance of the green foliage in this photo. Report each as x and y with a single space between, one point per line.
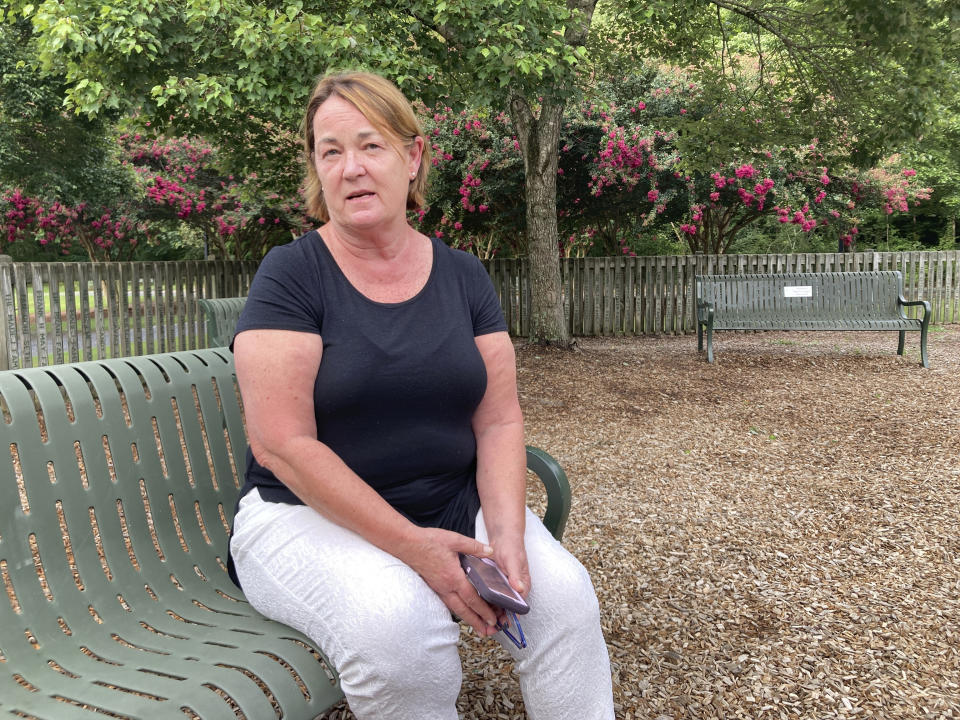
620 189
209 60
865 73
43 150
861 77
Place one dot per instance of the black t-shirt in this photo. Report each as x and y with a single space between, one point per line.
398 382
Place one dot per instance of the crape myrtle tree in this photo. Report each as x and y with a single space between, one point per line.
180 178
209 65
170 181
621 179
74 186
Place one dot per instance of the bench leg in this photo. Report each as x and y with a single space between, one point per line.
699 336
923 347
710 343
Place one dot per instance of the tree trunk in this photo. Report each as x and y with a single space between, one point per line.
539 138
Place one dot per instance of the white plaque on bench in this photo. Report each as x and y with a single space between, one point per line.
798 291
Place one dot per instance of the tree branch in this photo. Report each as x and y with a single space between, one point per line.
789 27
442 30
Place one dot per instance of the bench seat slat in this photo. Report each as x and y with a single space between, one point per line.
775 323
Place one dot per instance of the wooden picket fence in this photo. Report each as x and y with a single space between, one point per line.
655 295
66 312
93 310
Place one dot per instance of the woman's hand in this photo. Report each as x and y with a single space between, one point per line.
511 557
435 555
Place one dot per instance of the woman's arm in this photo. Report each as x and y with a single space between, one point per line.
276 372
501 459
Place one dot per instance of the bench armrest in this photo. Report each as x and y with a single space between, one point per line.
917 303
555 481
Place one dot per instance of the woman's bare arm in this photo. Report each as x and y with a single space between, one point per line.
501 458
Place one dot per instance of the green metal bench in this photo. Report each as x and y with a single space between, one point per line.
222 315
117 490
807 301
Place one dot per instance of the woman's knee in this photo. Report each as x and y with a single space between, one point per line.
401 652
563 590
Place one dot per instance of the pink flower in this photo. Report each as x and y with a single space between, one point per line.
764 187
909 172
714 196
653 195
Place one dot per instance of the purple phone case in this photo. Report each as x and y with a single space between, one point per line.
492 585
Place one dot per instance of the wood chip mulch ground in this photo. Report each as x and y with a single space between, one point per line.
771 536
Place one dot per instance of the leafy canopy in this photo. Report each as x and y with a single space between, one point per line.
867 73
242 57
42 150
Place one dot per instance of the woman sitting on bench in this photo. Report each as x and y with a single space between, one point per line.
386 438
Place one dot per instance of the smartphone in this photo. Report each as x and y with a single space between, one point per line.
492 585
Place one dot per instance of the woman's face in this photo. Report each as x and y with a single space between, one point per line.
365 179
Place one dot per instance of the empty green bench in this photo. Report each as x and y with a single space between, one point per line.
807 301
117 487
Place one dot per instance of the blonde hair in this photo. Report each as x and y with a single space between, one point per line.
386 108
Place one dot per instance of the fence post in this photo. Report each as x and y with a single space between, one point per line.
7 322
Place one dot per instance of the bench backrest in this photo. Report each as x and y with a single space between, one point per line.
222 315
868 295
84 426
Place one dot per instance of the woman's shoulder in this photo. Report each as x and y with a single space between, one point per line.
460 259
300 246
294 255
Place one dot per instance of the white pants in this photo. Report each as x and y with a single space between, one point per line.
390 636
